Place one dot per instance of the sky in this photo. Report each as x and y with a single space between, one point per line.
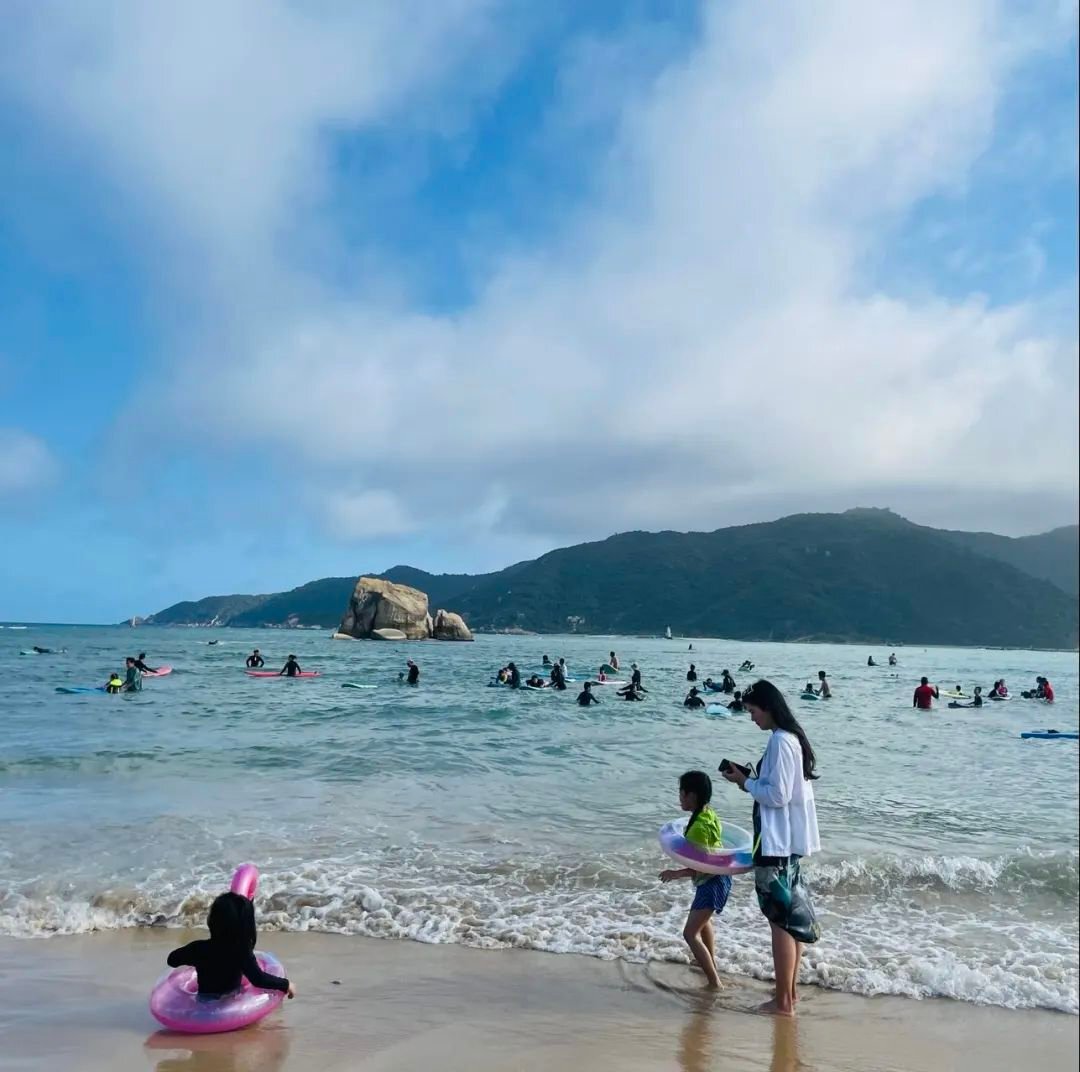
298 289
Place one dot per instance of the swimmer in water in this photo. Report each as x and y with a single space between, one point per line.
693 699
691 674
255 661
586 697
413 677
736 703
823 689
291 668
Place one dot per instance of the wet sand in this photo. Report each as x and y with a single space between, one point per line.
80 1003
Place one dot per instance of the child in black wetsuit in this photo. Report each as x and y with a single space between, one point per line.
229 953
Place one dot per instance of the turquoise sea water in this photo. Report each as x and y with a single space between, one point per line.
457 813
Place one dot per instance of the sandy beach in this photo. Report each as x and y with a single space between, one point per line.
80 1003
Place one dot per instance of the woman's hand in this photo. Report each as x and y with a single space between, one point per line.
733 774
291 992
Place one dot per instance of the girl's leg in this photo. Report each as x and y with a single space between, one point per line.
708 936
697 920
795 973
785 963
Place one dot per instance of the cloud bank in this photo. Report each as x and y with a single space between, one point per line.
700 340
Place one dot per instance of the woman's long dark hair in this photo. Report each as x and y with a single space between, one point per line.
768 697
700 784
232 923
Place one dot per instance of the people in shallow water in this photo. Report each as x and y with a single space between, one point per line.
870 661
613 660
255 660
586 697
925 695
727 682
114 685
536 682
546 661
808 689
736 702
691 674
693 699
1000 691
558 677
823 689
132 677
631 692
141 666
976 700
514 680
413 676
291 668
892 659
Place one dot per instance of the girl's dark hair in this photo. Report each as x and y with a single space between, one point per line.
768 697
232 922
700 784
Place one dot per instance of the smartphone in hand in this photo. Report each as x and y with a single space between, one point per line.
726 765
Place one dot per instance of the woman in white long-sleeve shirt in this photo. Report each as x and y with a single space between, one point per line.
785 830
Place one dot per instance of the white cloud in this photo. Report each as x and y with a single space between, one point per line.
700 336
368 515
26 464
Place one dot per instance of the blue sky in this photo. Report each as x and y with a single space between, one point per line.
292 290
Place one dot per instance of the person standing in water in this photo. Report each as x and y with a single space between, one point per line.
413 676
586 697
613 660
691 674
785 831
892 659
710 891
133 677
141 666
515 676
693 698
558 677
925 695
255 661
823 689
291 668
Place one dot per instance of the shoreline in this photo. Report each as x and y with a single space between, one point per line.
80 1002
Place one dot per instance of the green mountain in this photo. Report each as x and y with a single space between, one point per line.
1054 556
866 575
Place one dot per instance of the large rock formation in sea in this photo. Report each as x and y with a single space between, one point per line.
383 610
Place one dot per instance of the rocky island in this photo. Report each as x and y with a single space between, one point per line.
382 610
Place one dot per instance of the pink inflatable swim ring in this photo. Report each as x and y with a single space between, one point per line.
175 1001
734 857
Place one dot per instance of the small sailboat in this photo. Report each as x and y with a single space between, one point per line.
667 633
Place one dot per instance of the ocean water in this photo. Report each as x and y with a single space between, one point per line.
457 813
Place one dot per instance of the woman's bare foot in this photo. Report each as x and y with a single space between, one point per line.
773 1008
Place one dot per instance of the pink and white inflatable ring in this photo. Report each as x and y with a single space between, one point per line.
175 1000
734 857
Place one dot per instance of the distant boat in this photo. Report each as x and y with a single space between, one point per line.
667 633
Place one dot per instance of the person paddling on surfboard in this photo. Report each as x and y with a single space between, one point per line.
291 668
